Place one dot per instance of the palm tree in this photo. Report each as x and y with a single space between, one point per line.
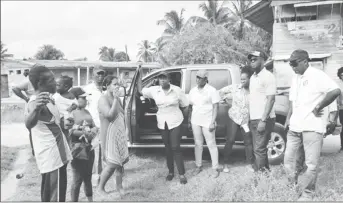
3 51
121 56
49 52
237 19
158 48
145 51
215 13
173 22
107 54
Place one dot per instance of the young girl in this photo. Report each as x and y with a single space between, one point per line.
84 130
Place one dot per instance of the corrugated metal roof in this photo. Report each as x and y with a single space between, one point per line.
261 14
60 64
280 3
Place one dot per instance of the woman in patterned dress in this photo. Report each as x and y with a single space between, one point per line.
112 133
238 116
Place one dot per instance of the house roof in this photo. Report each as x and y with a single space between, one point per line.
285 2
61 64
261 14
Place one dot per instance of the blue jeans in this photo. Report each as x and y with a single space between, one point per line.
312 143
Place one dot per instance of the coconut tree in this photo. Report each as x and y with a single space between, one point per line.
103 52
237 20
145 51
173 22
107 54
4 51
216 13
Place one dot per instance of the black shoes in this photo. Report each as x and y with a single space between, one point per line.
170 177
183 179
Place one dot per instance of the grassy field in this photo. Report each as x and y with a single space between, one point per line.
145 181
8 157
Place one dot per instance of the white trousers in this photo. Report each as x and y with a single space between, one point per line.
199 133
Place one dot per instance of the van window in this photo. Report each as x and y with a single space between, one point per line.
216 78
175 79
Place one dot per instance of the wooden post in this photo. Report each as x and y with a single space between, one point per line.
87 75
78 77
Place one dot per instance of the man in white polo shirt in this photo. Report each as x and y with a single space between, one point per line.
204 102
262 114
311 91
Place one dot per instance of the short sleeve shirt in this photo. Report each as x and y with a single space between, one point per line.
93 96
168 105
261 85
202 101
306 92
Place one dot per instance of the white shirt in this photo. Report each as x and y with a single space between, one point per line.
168 105
93 97
49 143
63 103
306 92
202 101
261 85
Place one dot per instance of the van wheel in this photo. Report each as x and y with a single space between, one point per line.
277 145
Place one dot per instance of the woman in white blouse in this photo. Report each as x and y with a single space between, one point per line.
172 106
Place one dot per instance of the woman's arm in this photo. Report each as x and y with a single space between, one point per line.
109 112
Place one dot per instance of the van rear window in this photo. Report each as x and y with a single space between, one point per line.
217 78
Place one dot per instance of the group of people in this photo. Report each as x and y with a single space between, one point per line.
87 128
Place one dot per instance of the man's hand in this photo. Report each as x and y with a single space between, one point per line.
190 126
212 127
286 126
330 128
261 127
27 100
317 112
41 100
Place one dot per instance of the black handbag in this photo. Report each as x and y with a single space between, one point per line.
81 150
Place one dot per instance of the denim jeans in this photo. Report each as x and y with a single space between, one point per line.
312 143
171 139
260 142
231 134
199 133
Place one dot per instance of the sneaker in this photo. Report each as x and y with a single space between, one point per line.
197 170
183 179
170 177
226 170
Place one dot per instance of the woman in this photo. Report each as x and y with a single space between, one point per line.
84 130
171 102
238 116
112 134
340 104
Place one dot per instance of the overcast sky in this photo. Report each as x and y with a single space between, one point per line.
80 28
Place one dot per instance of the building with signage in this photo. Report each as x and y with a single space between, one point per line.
312 25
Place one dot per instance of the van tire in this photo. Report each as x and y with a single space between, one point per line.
276 144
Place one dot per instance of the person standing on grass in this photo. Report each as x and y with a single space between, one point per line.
172 106
261 108
51 148
340 105
238 117
65 100
84 130
204 103
113 136
94 92
311 91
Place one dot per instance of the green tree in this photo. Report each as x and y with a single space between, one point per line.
121 56
145 51
173 23
49 52
4 53
81 59
238 23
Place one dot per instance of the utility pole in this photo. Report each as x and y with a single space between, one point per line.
126 53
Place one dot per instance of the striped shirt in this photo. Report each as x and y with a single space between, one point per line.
50 145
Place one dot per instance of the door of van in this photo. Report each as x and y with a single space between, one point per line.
130 106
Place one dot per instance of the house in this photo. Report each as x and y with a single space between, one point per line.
81 71
313 25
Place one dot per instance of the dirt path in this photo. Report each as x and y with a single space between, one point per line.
14 135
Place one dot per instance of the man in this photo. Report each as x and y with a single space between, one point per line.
311 91
262 114
26 87
94 91
204 104
50 145
340 105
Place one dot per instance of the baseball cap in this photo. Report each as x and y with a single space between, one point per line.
261 54
165 74
202 74
298 54
98 69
